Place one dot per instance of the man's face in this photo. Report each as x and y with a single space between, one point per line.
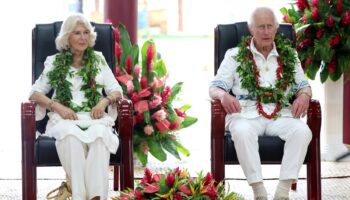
263 30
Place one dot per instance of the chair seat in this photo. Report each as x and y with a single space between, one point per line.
271 149
46 153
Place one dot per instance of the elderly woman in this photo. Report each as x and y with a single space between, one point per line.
77 118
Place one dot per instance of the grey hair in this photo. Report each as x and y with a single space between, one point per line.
259 10
68 26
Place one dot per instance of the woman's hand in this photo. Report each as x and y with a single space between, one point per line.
98 111
63 111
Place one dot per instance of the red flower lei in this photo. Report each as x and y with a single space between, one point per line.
251 82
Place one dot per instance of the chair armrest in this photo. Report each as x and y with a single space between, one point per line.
314 118
125 129
217 119
28 125
217 140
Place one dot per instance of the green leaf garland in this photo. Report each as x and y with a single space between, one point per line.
249 74
57 79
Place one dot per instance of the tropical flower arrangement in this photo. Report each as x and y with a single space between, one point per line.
156 120
323 36
177 184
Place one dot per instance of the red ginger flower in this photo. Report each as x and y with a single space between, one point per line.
165 95
330 21
335 40
128 64
286 19
143 82
118 52
319 33
332 66
174 126
170 180
183 188
339 7
177 197
116 34
149 58
147 178
345 20
315 15
208 179
314 3
302 4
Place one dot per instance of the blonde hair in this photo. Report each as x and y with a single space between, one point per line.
259 10
68 26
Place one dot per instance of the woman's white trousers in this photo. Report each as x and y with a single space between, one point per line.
86 165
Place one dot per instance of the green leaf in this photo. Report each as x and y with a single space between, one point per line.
172 116
284 11
169 145
141 155
160 69
181 148
146 117
174 91
156 149
188 121
312 70
324 75
185 107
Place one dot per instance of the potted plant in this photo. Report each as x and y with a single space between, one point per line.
156 119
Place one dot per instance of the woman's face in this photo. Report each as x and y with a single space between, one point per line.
79 39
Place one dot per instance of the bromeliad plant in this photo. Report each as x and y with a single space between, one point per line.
156 119
323 36
177 184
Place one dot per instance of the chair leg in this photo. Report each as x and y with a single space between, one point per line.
314 174
116 178
294 186
28 174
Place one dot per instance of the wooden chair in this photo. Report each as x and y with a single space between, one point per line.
41 151
270 147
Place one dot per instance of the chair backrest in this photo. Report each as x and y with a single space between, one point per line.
229 35
43 45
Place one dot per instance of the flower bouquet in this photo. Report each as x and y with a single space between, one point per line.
323 36
177 185
156 120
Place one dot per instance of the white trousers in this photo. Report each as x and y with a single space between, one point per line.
86 165
245 132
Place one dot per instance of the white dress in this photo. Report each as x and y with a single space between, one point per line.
59 128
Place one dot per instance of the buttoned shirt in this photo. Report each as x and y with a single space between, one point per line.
228 79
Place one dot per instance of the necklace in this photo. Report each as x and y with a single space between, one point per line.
250 74
57 79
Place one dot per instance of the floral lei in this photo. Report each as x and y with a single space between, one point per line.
249 74
57 79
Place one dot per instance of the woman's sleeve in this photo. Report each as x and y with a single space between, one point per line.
42 83
109 81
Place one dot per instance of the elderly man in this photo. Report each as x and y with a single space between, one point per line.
262 80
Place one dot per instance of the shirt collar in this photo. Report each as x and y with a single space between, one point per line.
273 51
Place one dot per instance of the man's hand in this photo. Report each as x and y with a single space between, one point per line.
300 106
230 103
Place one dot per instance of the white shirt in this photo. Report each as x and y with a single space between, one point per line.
228 79
96 128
